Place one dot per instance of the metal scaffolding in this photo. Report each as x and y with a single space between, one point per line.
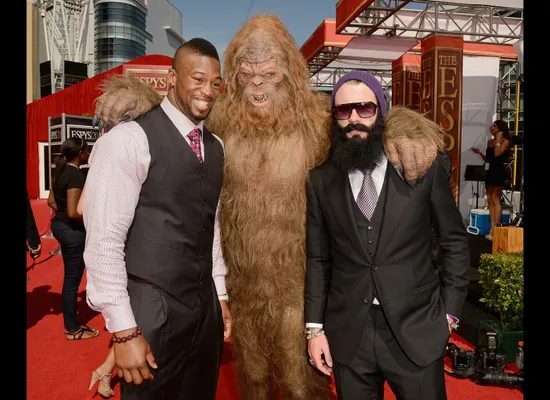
475 23
510 110
327 78
66 23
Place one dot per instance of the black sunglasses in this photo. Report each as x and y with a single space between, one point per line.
364 109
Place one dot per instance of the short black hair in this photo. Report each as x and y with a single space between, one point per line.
198 46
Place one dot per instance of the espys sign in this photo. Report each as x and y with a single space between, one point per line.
154 75
65 126
83 132
55 134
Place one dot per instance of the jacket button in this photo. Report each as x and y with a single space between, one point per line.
371 241
375 267
371 255
366 300
369 228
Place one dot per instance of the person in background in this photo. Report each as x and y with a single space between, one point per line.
376 307
68 229
496 156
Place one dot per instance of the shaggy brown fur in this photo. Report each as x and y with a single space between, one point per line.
409 131
402 122
262 214
138 98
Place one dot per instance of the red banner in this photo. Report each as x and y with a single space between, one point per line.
442 93
406 81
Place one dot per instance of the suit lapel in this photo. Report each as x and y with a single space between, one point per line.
340 196
397 198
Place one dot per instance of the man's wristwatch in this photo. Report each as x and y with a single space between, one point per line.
312 333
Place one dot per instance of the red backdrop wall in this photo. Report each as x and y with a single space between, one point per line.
74 100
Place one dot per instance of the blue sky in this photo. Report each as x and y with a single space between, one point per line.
219 20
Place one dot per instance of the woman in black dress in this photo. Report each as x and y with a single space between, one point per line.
497 156
68 229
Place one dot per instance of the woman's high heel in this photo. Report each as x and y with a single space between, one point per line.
104 379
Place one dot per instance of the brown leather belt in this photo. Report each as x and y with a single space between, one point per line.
138 279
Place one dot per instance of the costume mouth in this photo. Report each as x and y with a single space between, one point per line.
259 98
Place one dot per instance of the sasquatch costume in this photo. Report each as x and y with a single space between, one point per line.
275 130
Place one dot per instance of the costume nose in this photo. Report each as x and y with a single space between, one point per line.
257 81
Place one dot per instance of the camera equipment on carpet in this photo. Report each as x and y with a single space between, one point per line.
485 365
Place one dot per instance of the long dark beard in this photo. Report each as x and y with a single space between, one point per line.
357 153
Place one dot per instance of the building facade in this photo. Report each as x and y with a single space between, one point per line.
127 29
32 52
108 33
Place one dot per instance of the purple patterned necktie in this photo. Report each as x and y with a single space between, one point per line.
368 196
195 139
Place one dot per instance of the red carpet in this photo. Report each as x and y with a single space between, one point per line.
59 369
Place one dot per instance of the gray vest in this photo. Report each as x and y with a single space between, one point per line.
170 240
369 230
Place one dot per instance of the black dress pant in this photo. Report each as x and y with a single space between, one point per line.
380 359
187 344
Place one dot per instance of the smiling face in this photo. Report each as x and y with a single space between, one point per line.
194 85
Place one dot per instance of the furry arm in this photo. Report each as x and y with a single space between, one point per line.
124 98
411 141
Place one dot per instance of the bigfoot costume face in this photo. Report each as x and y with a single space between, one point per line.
267 89
260 80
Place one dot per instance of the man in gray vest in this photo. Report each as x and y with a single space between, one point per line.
153 239
377 309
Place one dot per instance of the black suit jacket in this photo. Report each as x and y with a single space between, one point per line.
33 237
413 295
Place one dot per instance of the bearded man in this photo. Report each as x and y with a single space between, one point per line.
372 285
275 130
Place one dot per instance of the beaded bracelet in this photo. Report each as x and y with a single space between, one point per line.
126 338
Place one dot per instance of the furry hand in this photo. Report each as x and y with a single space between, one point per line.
123 99
412 156
412 141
